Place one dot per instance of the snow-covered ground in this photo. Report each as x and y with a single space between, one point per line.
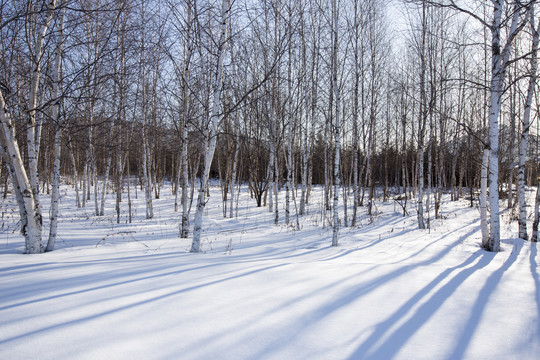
260 291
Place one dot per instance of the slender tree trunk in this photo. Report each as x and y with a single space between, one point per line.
355 114
75 175
498 65
184 232
422 122
536 220
337 124
305 141
55 117
522 221
33 129
106 175
214 120
234 167
289 124
184 226
147 181
270 172
84 182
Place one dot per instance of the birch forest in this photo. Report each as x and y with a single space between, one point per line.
373 101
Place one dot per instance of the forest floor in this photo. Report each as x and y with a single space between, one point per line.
261 291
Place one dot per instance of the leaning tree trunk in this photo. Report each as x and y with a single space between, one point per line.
26 183
31 221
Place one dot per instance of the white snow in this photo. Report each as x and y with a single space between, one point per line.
260 291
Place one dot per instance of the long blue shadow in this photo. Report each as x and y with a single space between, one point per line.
480 304
348 296
134 305
382 328
110 285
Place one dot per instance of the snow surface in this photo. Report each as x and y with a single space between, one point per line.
260 291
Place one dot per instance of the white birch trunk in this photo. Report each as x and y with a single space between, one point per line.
522 221
271 176
483 197
183 170
27 187
106 175
355 110
234 167
31 221
184 232
53 230
289 124
536 220
184 226
32 131
96 187
305 150
177 182
276 185
422 123
337 124
499 64
76 179
314 98
214 121
84 182
14 182
55 195
146 176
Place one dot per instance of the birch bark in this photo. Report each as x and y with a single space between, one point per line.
498 65
337 124
214 120
53 229
522 221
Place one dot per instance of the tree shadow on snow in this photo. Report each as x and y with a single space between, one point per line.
62 287
480 304
399 337
349 296
135 304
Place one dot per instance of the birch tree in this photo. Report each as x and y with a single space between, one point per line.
217 89
25 178
55 118
337 124
526 123
423 120
499 61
